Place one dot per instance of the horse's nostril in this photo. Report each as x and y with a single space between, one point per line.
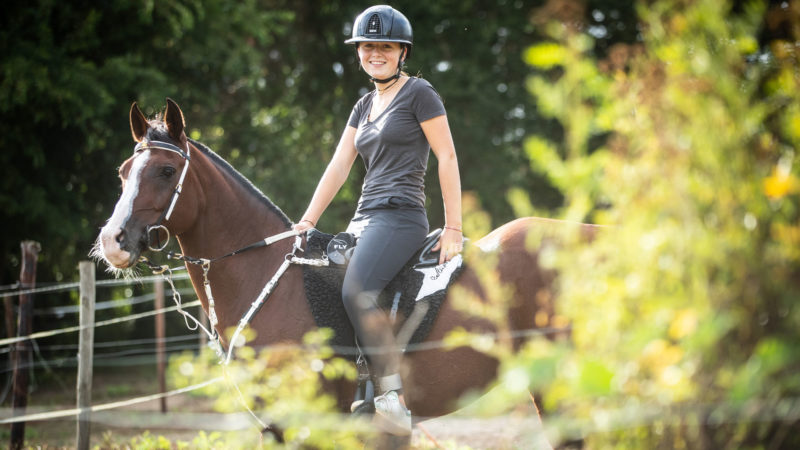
120 238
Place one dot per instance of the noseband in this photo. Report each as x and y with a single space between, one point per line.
148 145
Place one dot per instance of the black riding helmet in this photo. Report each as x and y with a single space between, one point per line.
382 23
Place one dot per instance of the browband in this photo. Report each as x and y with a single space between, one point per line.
144 145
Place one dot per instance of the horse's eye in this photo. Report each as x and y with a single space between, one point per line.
167 171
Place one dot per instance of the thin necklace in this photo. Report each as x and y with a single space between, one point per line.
381 91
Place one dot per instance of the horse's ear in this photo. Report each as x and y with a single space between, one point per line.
174 119
139 124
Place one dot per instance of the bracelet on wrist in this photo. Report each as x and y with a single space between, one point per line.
306 220
452 228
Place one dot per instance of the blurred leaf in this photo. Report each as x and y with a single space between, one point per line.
595 378
545 55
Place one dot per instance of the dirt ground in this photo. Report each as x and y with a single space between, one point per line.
505 432
189 414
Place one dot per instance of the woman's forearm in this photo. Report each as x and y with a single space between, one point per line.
437 131
450 182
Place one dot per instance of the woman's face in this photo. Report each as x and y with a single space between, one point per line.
380 59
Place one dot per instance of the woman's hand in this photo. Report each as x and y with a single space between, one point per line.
303 226
451 243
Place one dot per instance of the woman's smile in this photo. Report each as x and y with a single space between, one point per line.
380 58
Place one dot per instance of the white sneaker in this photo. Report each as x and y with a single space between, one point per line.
354 406
391 415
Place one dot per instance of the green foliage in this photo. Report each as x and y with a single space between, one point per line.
148 441
281 383
268 84
686 300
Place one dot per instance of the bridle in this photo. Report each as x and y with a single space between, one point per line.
165 215
205 263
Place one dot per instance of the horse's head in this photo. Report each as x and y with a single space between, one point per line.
151 183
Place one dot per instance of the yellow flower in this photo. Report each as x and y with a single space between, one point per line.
779 184
684 324
659 354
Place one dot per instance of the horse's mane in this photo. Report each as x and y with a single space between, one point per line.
158 131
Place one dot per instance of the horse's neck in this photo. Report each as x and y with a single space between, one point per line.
230 218
231 215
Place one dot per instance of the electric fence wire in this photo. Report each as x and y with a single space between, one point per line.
108 344
344 350
42 334
106 406
145 355
7 287
104 283
101 305
130 357
61 311
55 287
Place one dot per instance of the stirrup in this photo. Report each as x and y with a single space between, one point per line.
391 416
363 403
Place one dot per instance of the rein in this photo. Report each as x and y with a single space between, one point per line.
205 263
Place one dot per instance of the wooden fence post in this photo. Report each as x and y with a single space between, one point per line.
19 402
85 353
160 342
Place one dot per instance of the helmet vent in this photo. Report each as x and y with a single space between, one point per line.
374 25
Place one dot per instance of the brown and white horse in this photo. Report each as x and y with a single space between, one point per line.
216 210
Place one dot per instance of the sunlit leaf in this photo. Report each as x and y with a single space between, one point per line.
545 55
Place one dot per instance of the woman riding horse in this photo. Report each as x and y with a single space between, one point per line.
393 128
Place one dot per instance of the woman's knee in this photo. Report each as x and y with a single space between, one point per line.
349 296
357 301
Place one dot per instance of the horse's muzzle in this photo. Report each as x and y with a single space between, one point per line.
121 248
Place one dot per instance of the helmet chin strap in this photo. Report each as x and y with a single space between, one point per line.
386 80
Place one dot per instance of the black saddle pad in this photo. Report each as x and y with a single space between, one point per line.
323 287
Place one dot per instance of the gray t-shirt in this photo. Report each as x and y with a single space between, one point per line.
393 146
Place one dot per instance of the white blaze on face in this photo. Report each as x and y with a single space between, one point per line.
112 251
